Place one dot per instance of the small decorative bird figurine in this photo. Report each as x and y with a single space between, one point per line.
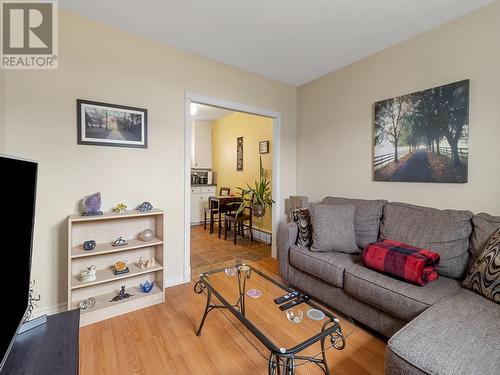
121 295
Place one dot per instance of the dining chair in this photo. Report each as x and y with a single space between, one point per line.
223 191
238 223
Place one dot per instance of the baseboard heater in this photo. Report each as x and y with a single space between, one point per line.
261 235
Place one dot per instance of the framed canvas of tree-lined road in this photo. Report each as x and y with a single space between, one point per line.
423 137
105 124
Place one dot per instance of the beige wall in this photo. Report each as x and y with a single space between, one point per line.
335 115
253 129
104 64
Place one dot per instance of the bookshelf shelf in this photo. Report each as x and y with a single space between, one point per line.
104 229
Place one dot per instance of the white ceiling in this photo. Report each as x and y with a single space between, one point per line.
209 113
292 41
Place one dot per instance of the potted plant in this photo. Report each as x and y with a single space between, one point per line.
258 197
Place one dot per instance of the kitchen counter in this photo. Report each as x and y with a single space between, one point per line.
202 185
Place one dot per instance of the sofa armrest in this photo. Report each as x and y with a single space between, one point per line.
287 236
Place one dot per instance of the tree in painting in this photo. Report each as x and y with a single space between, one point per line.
392 117
108 124
423 137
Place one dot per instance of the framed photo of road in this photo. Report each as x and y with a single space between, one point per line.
104 124
423 136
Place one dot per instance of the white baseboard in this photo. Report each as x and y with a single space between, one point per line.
187 273
50 310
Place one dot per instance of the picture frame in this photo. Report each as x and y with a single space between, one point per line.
239 153
423 136
105 124
264 147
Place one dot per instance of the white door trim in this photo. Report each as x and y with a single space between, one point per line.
276 152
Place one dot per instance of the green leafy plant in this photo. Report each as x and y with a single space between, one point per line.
259 196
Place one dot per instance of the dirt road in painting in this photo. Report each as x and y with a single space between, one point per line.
417 168
422 166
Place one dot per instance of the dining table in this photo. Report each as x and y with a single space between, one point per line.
224 204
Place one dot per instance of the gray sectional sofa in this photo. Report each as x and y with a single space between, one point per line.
440 328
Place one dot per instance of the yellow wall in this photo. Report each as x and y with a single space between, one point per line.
102 63
253 129
335 115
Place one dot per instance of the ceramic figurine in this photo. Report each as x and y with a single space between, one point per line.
145 207
121 295
89 245
120 208
147 235
147 286
89 274
142 263
87 303
120 268
91 205
120 242
151 263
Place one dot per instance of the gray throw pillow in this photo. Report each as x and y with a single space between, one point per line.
484 277
333 228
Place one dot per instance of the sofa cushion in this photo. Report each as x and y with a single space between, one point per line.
483 225
333 228
396 297
329 267
367 215
459 335
484 277
444 231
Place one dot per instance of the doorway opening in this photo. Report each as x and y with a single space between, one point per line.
229 147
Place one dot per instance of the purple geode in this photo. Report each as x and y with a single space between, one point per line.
91 205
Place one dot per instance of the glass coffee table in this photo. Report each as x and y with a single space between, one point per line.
248 294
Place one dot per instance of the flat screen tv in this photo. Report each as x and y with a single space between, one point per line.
18 182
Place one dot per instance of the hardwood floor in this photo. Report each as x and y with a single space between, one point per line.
161 340
210 252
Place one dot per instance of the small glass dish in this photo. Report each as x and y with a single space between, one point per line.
295 315
230 271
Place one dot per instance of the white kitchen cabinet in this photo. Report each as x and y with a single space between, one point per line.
199 200
196 206
201 144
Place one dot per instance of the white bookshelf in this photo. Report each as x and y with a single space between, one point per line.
105 229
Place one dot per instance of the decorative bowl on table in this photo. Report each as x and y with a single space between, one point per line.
295 315
315 314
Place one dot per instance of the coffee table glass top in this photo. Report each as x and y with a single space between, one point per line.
246 294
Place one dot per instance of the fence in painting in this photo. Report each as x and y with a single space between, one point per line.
380 160
463 152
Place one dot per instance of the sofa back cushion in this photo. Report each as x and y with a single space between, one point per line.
443 231
483 225
333 228
367 216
